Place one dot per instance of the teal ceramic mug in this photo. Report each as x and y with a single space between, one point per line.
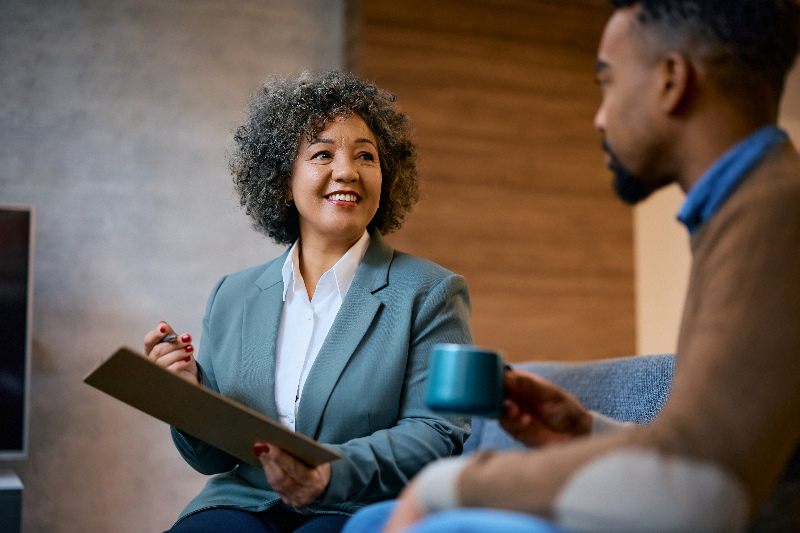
465 379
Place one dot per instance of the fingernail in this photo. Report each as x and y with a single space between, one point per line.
189 349
163 329
186 338
260 449
188 358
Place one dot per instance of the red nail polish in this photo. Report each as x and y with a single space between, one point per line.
189 349
186 338
260 449
188 358
163 329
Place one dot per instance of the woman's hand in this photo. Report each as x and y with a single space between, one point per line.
537 412
296 483
175 356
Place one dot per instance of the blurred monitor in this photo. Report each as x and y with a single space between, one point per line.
16 298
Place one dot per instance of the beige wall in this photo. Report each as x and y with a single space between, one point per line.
662 254
115 116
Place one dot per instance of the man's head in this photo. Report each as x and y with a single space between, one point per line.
660 61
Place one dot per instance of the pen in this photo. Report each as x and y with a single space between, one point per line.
168 338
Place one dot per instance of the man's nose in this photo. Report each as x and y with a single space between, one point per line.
600 120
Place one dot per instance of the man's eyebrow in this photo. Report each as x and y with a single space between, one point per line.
600 65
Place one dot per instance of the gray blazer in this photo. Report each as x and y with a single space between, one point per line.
364 395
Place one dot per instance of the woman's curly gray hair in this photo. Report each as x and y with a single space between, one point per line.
283 112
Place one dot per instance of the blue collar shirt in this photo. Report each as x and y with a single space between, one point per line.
716 185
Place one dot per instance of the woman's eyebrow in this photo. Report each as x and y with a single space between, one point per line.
328 141
362 140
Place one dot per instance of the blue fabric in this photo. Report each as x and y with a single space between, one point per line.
718 183
628 389
274 520
372 519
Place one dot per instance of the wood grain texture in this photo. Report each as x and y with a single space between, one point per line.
515 195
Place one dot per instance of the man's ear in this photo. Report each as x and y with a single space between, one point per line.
678 78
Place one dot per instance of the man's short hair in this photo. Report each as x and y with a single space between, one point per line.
759 36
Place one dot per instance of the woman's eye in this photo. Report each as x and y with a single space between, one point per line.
367 156
324 154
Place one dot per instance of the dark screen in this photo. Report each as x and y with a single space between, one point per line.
15 226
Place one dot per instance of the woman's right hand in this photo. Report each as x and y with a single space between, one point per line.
175 356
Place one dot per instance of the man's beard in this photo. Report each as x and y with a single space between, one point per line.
628 187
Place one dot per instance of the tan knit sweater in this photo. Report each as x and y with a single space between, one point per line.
736 392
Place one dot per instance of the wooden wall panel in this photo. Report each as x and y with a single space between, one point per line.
515 194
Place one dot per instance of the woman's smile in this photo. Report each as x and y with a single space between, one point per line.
336 182
343 199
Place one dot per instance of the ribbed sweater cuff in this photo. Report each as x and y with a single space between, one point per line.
438 484
604 424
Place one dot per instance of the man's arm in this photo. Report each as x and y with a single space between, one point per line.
729 427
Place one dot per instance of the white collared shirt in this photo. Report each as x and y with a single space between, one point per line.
305 324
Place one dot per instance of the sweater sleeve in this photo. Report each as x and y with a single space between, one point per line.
734 404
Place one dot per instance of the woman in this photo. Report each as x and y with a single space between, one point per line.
332 338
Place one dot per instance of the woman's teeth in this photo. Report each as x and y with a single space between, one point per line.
343 197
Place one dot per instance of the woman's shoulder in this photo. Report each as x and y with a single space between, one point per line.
402 266
263 274
422 282
413 267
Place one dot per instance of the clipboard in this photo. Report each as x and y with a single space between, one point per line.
199 411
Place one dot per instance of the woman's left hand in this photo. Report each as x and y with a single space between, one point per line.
296 483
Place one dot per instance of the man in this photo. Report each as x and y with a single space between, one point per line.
691 90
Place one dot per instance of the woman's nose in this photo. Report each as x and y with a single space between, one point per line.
344 170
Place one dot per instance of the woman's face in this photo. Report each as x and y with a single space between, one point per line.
336 182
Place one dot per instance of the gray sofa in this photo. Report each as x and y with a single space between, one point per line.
634 389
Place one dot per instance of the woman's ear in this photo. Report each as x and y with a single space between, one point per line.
678 83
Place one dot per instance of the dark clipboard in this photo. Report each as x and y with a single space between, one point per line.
199 411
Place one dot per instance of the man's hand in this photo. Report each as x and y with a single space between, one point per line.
537 412
296 483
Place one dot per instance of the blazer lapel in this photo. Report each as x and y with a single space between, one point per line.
260 325
348 329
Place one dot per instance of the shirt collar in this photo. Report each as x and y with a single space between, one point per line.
343 271
715 186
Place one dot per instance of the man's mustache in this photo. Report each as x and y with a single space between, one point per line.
614 162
